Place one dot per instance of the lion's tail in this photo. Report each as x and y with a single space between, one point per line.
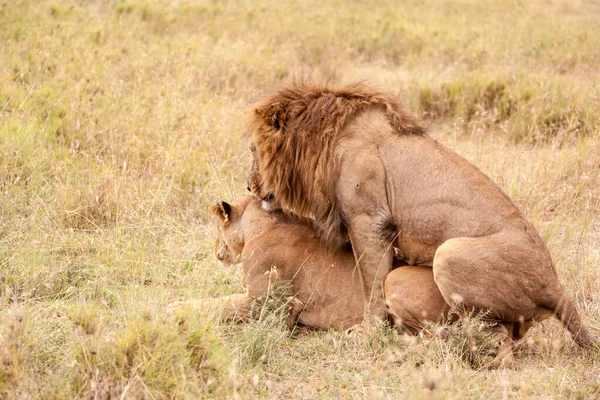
565 310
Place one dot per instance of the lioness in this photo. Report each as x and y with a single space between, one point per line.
273 248
353 159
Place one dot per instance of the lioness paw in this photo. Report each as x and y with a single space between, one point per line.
175 306
192 305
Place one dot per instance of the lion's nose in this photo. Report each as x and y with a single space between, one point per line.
220 256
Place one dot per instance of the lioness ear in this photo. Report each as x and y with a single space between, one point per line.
275 116
221 210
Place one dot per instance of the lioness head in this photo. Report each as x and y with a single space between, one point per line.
230 241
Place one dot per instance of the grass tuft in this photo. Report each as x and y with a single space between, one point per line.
148 357
263 338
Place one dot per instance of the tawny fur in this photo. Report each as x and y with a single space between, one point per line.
327 293
362 167
299 161
325 285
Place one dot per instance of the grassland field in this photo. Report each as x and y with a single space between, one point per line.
121 121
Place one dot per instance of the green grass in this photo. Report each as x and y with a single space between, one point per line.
121 121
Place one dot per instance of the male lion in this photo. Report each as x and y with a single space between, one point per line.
354 160
273 248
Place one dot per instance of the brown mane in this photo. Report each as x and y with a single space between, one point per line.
295 130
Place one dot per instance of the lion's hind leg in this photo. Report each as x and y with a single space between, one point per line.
486 274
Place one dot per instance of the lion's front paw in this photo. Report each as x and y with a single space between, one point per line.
361 329
367 327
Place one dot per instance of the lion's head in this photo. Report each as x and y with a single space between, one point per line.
258 187
294 133
230 241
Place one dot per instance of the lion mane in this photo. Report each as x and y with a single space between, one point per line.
296 129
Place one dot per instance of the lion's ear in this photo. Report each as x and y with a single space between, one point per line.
274 116
221 210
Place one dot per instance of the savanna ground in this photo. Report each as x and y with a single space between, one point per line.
121 121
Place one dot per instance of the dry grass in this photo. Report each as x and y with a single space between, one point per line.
120 121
